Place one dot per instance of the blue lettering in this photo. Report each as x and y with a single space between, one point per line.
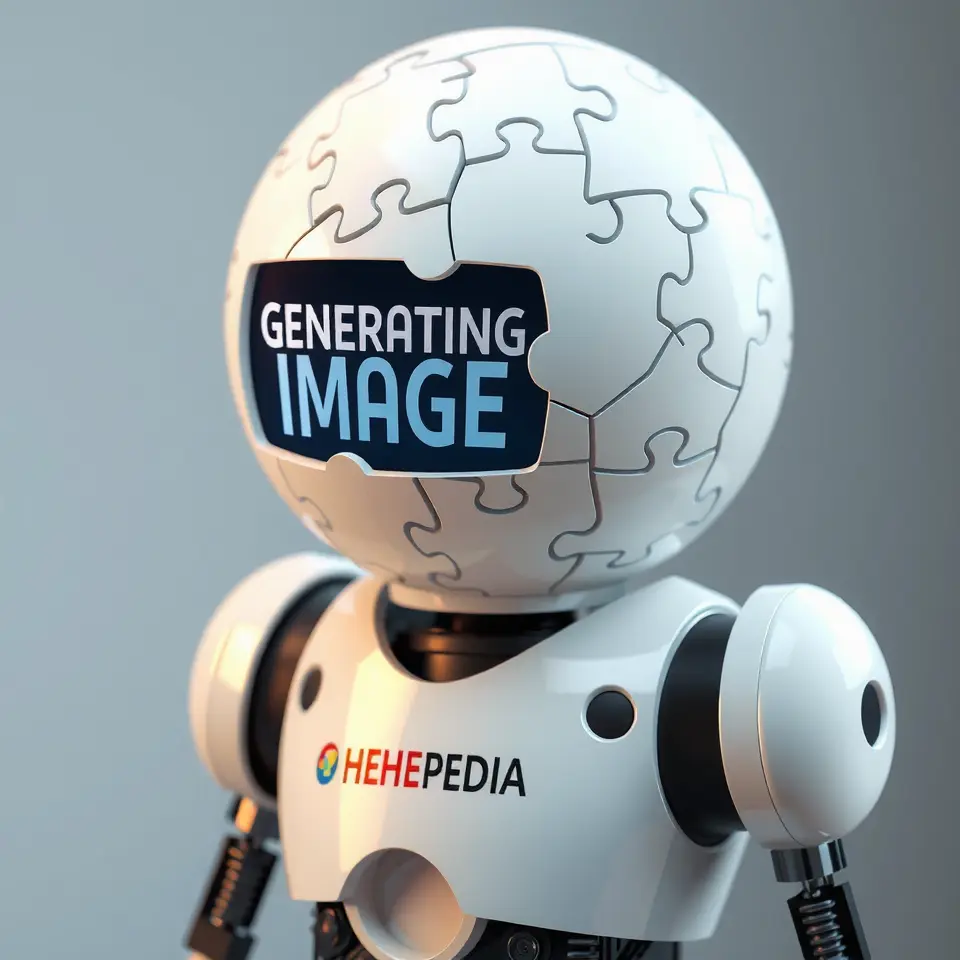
478 403
315 402
336 391
445 406
367 409
283 376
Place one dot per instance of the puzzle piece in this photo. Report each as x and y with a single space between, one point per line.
638 509
592 571
490 549
655 142
322 121
421 240
742 181
399 111
311 514
530 80
728 261
567 436
497 494
649 76
276 215
340 501
611 70
323 171
751 422
567 441
589 571
674 393
528 208
280 209
739 178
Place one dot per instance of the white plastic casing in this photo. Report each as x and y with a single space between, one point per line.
228 656
590 846
799 765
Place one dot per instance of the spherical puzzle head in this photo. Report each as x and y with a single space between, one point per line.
508 319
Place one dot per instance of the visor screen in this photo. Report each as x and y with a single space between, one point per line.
411 376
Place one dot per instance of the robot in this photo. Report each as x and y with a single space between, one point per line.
508 325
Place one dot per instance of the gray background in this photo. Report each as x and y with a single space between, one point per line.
130 136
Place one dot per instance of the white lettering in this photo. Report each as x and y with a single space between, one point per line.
370 323
468 327
395 332
342 326
318 329
366 328
292 326
271 330
519 334
428 315
448 330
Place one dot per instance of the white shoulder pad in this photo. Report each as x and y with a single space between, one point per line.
228 656
807 717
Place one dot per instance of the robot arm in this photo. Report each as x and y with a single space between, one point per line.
238 692
786 729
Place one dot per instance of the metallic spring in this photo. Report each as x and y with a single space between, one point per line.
243 877
820 926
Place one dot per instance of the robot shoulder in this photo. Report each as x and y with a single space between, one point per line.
246 661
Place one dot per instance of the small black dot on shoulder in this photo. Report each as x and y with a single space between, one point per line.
610 715
310 687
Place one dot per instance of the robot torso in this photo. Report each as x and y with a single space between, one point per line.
497 779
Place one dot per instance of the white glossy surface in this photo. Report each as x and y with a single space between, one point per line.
227 657
590 847
403 909
669 306
800 768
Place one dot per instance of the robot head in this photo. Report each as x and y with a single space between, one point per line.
508 319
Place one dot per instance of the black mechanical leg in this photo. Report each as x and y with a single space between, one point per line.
221 926
824 913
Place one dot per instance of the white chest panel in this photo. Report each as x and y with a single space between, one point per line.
496 779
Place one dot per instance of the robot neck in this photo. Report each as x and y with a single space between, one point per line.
442 646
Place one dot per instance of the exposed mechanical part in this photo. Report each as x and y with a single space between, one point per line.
334 938
824 913
439 646
238 882
808 864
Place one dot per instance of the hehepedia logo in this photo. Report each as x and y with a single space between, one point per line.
327 763
418 769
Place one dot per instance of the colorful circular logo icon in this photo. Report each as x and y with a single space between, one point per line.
327 763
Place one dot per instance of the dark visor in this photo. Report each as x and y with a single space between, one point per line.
419 377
